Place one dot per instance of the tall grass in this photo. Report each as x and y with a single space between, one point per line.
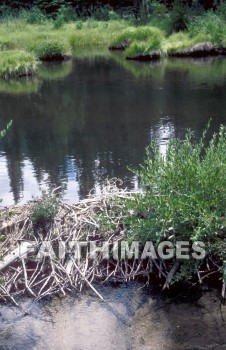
211 25
50 49
17 63
139 34
40 36
182 40
96 33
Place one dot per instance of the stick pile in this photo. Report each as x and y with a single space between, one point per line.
21 273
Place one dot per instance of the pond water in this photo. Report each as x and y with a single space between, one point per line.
79 122
74 125
128 319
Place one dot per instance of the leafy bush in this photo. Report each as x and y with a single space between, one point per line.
16 63
45 208
184 194
178 16
59 22
33 16
101 13
78 25
65 14
113 16
221 10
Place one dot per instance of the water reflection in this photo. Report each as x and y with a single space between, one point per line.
90 120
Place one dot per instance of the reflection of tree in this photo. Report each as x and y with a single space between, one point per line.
100 118
14 156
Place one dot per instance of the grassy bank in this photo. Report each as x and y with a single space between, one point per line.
205 35
47 40
15 63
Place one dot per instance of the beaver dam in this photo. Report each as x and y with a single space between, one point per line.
40 255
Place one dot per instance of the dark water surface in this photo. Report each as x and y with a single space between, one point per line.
128 319
80 122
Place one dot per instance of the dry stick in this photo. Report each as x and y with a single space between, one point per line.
8 295
159 268
89 284
55 277
25 279
171 275
12 281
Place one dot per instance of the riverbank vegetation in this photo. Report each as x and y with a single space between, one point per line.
56 30
182 198
15 63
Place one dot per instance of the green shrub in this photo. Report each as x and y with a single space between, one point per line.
65 14
178 16
33 16
221 11
101 13
50 49
59 22
184 192
17 63
183 198
113 16
78 25
45 208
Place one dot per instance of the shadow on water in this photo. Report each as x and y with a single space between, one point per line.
80 122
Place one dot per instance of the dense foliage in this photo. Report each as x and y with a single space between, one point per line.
183 198
100 8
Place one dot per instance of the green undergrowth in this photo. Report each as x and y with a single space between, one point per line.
184 190
131 35
42 39
45 208
16 63
183 198
210 25
51 49
182 40
142 46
